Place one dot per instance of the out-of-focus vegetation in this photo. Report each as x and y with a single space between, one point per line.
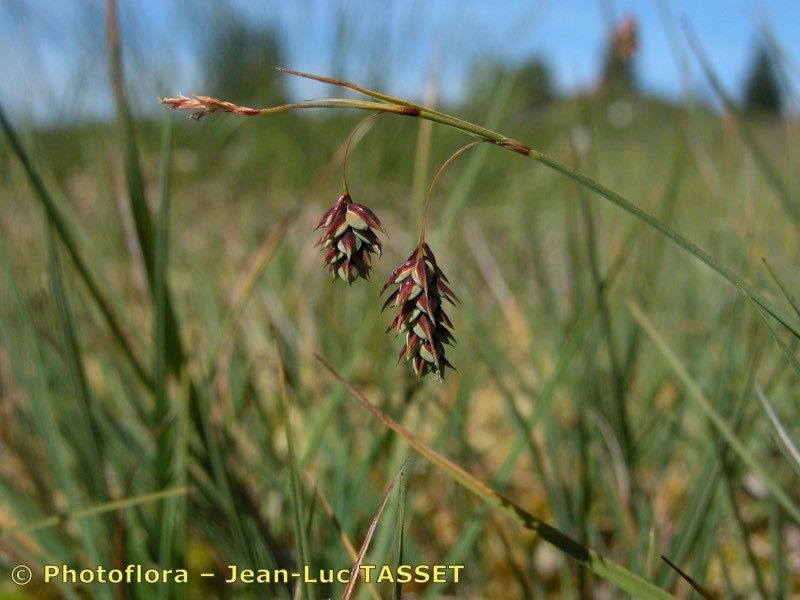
763 90
157 281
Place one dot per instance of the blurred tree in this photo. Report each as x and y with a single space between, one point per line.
762 92
535 81
619 75
239 57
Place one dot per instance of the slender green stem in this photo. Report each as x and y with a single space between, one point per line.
362 123
206 105
424 112
435 180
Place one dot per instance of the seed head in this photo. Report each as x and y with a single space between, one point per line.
349 239
421 287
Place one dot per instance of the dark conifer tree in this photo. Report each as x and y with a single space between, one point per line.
762 92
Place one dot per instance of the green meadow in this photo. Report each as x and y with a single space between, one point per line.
184 387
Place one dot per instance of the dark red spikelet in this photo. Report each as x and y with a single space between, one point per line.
349 239
418 298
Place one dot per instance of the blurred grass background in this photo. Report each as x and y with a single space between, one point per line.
196 240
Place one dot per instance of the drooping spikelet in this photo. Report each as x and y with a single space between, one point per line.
422 286
349 239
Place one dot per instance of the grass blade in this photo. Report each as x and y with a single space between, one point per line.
545 397
469 175
61 227
161 406
130 155
741 524
99 509
301 539
782 287
779 563
787 441
400 533
673 235
694 391
346 541
243 290
136 190
696 586
362 553
778 185
86 438
601 566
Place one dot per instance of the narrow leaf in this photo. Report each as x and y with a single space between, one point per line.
296 497
351 585
787 441
696 586
696 394
602 566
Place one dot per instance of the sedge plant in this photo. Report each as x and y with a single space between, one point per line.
422 286
189 444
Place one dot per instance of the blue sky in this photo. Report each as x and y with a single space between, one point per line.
52 61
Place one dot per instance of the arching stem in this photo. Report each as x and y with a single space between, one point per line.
205 105
435 180
361 124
